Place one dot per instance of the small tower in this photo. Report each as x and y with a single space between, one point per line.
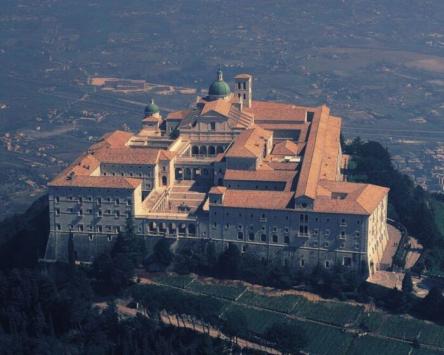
152 120
244 89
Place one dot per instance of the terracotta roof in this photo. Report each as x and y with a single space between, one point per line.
275 111
166 154
106 182
178 115
286 177
280 165
128 155
218 190
250 143
285 148
257 199
312 159
220 106
332 148
347 197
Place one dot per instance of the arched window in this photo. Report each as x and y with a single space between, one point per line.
203 150
191 229
211 150
195 150
164 181
220 149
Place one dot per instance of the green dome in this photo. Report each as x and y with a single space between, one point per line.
219 88
151 109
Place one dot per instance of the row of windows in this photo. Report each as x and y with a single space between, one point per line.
303 230
99 213
263 237
98 228
140 175
98 200
303 218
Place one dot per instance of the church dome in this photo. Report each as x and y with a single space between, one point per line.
151 109
219 88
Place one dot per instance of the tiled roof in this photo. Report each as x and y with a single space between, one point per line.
218 190
268 200
285 148
332 147
347 197
220 106
312 159
178 115
286 177
106 182
166 155
128 156
275 111
250 143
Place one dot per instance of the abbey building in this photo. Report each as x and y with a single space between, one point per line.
266 176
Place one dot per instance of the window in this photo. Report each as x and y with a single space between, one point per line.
263 237
239 227
116 214
240 235
286 229
346 261
128 214
227 226
117 201
327 232
91 237
89 228
251 236
80 199
116 229
342 235
274 229
342 245
287 239
357 234
325 244
99 213
57 199
89 211
80 213
327 264
213 126
109 238
57 211
99 228
301 263
80 227
99 201
58 227
275 238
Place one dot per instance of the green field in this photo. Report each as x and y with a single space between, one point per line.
229 292
276 303
258 320
368 345
328 312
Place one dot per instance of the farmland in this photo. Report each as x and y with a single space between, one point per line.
331 327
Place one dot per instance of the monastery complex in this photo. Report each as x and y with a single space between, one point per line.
266 176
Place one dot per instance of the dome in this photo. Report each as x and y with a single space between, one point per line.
219 88
151 109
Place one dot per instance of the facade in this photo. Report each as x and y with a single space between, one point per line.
267 176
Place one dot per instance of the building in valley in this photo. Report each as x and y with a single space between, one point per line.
267 176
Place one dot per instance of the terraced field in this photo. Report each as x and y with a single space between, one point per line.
331 327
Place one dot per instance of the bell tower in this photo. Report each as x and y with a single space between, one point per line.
244 89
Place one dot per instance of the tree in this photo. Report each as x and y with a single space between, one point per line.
161 258
407 284
432 306
287 337
229 262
